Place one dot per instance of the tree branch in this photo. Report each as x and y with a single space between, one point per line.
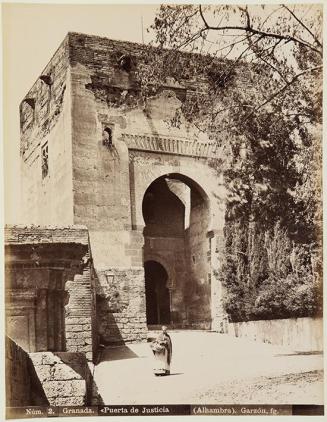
273 67
243 52
186 19
304 26
280 91
256 31
270 14
215 114
203 18
274 95
248 20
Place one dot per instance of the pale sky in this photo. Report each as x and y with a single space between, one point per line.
31 35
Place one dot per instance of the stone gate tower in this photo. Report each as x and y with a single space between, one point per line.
151 195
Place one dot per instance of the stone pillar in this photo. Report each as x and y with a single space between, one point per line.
134 249
217 311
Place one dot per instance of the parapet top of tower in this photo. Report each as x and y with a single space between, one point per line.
116 67
105 56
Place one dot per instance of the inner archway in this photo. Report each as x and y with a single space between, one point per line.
156 294
176 215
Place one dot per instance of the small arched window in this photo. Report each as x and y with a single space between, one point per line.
107 137
125 63
45 160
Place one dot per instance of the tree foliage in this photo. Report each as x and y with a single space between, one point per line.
261 100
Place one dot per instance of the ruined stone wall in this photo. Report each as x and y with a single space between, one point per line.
42 316
45 121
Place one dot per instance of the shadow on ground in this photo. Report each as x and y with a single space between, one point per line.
117 353
300 353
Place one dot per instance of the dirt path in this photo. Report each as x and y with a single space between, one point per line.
210 368
286 389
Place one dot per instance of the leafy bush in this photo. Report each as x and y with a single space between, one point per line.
291 297
280 279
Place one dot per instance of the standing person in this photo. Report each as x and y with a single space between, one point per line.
162 350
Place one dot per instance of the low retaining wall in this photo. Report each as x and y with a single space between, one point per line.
301 334
65 377
23 387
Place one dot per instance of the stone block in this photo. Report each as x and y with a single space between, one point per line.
77 321
65 372
72 348
75 335
89 356
87 327
37 358
65 388
44 372
75 328
75 342
50 358
85 348
69 401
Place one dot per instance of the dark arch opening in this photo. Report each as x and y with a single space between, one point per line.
163 211
176 215
192 184
156 294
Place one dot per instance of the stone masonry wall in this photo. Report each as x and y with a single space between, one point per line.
45 125
79 314
121 306
300 334
170 253
198 294
22 385
23 234
42 105
65 377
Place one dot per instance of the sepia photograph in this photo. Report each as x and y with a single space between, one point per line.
163 213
